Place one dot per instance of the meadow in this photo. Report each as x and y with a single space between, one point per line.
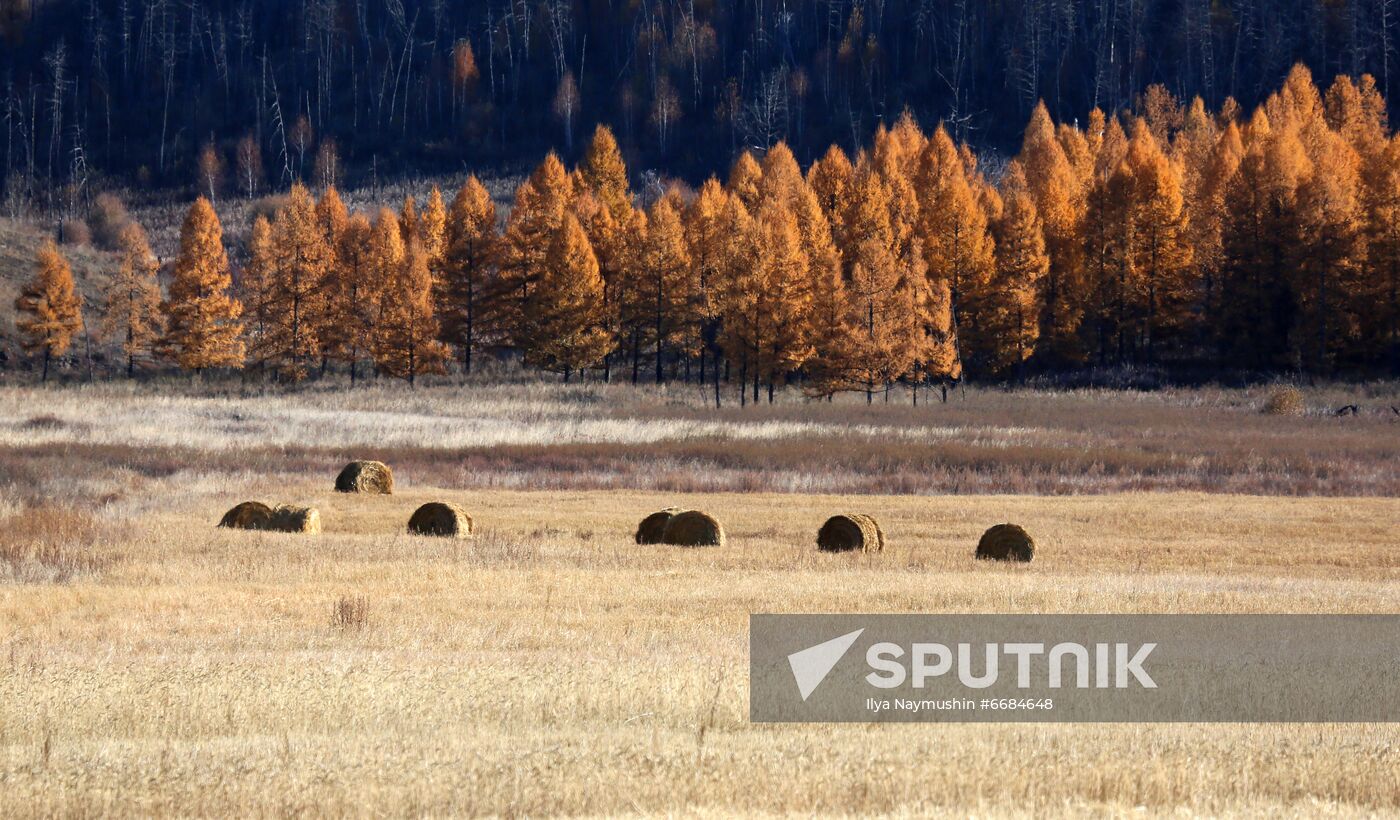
152 664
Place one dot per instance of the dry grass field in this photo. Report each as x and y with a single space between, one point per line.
151 664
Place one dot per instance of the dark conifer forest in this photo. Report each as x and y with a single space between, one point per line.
840 196
136 88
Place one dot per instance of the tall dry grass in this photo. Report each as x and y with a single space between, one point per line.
50 544
547 436
551 666
156 665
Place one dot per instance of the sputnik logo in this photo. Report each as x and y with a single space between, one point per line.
811 665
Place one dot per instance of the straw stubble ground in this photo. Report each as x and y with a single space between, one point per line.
552 666
153 664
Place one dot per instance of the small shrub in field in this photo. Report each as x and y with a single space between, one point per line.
1284 401
351 613
75 232
49 545
106 219
43 422
266 207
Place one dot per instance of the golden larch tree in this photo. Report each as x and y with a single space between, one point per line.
831 178
1159 257
1058 200
1206 215
333 218
569 315
202 327
664 288
1379 293
331 215
735 255
1161 112
767 300
354 291
541 203
1358 114
1261 240
407 340
604 172
50 311
1297 103
384 261
744 178
907 134
1013 316
866 221
1191 153
897 170
408 219
781 178
131 314
1112 150
255 281
623 251
956 239
1105 269
830 332
296 296
707 241
469 290
938 358
432 229
1079 150
883 301
614 250
1331 258
786 274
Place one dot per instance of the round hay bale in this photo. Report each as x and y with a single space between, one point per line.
843 533
879 532
1284 401
653 527
693 528
295 519
1006 542
437 518
250 515
365 477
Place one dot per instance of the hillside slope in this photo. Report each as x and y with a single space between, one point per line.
19 242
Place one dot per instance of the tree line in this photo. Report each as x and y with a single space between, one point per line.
136 88
1172 236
